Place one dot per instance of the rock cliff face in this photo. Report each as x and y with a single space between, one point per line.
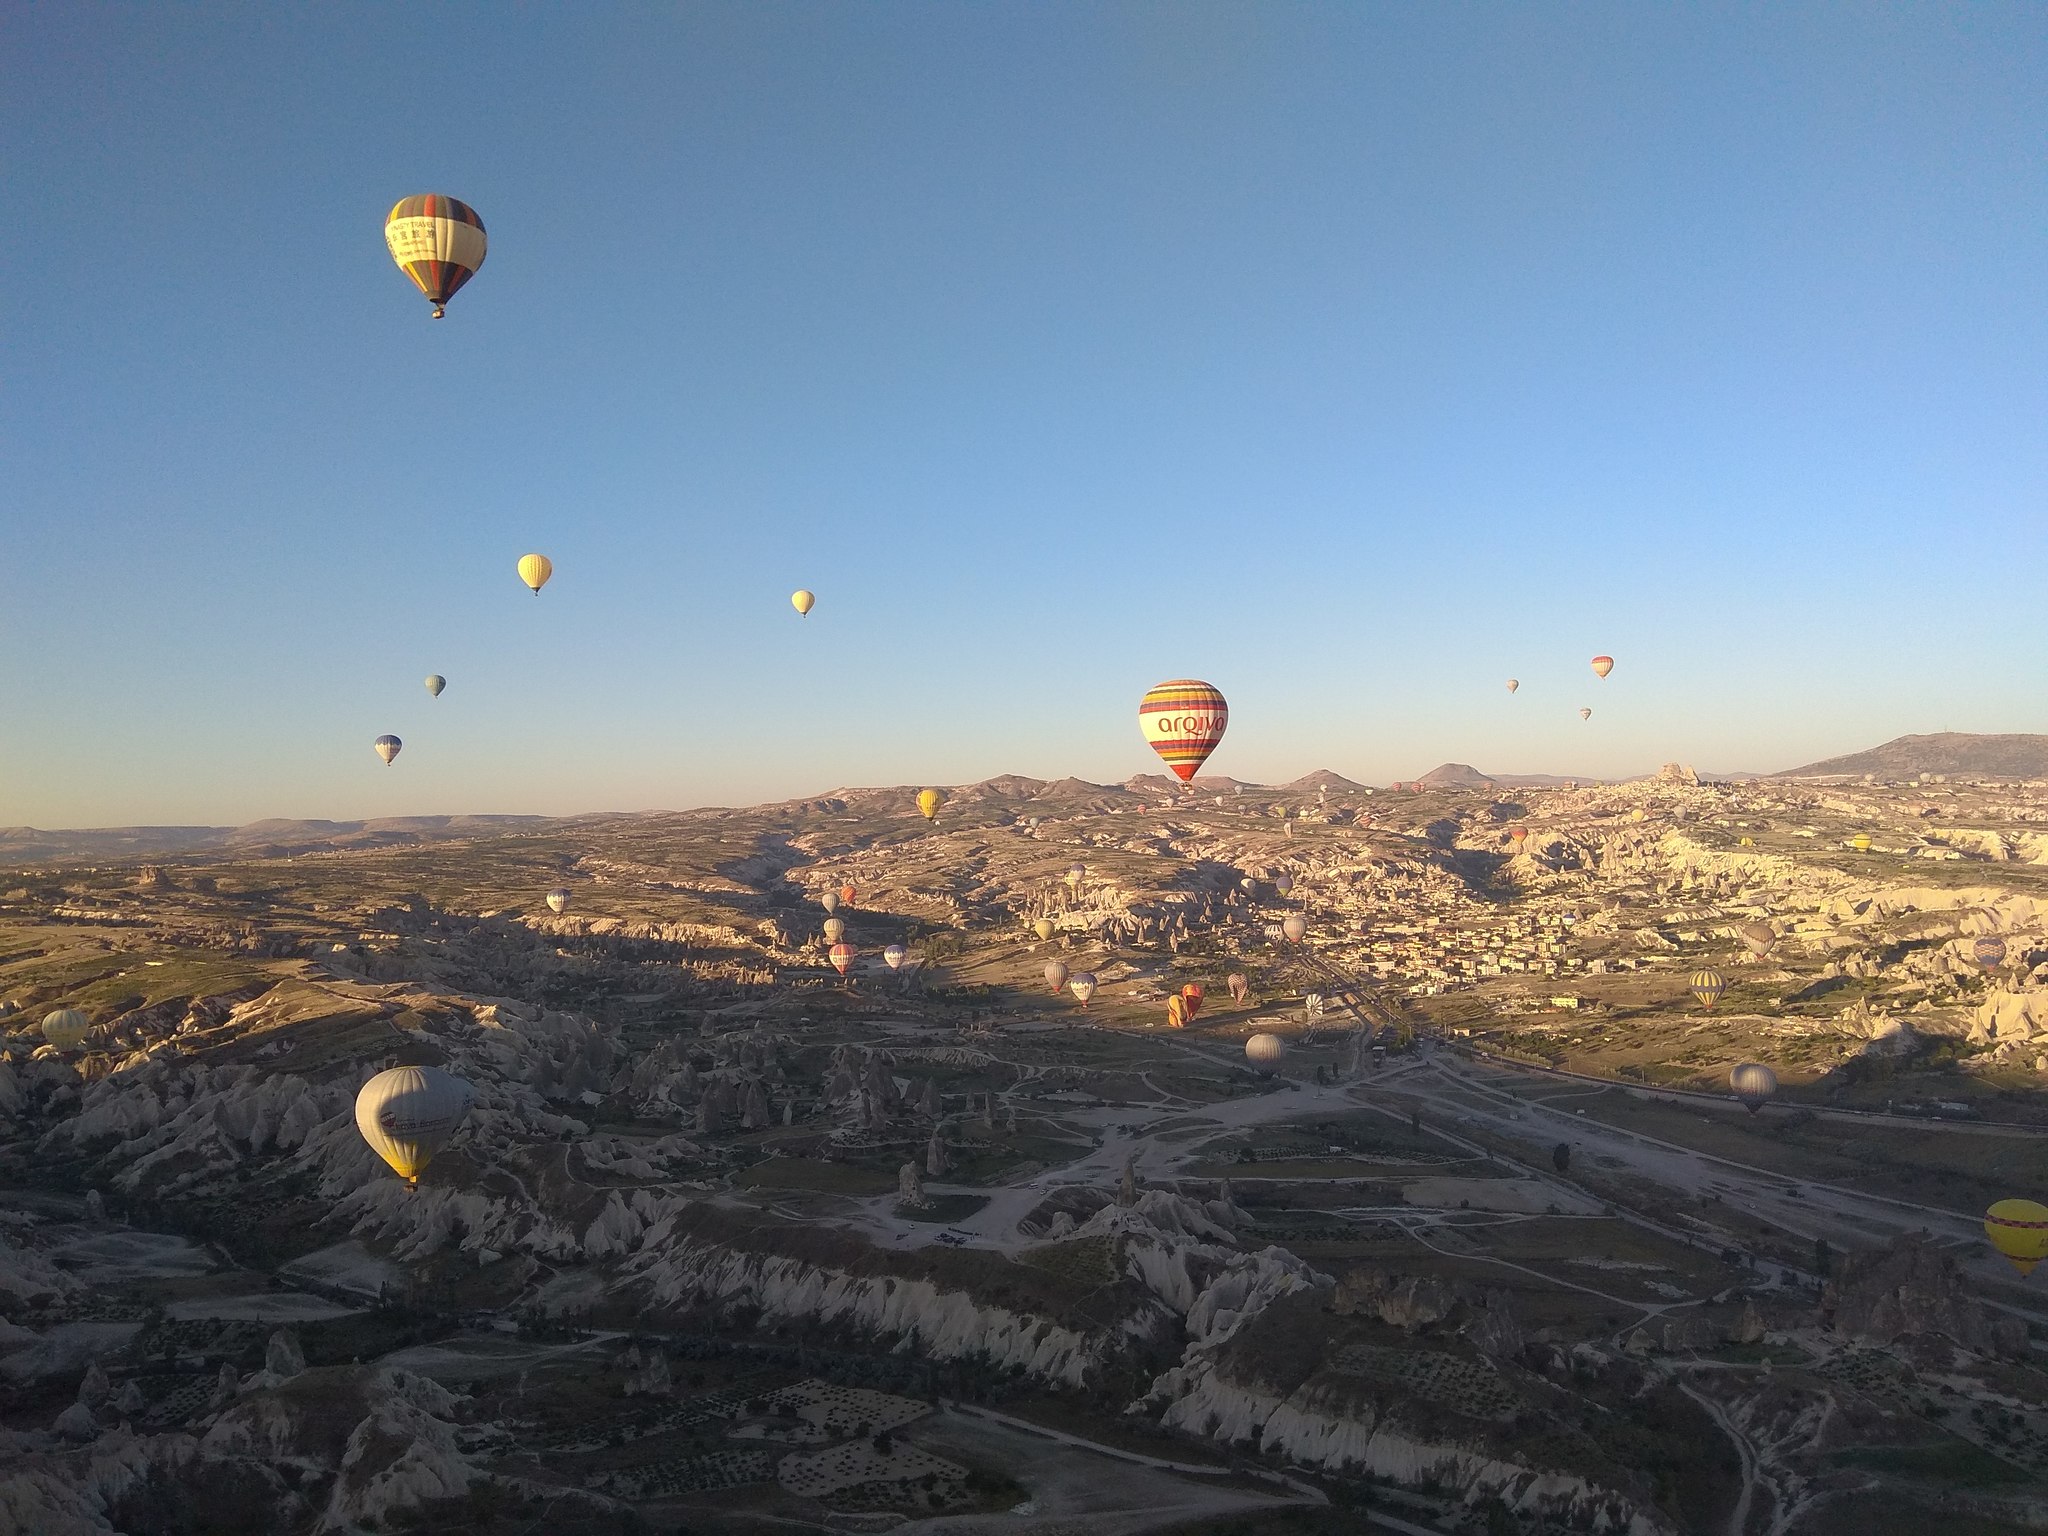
1913 1290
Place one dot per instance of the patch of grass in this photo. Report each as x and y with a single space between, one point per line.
1947 1464
821 1177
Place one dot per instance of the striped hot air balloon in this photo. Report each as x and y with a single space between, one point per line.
1240 987
1183 720
1707 986
1602 665
835 929
1759 936
2019 1230
848 892
66 1028
1176 1012
535 570
1754 1084
438 242
1191 998
842 957
1264 1051
1989 951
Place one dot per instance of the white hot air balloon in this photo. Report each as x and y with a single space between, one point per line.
558 899
407 1114
1082 985
830 902
1265 1051
893 956
1055 975
835 929
1754 1084
1294 927
66 1028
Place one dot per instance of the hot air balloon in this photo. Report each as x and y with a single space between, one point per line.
535 570
2019 1230
435 683
1295 927
801 600
1055 976
1283 883
1082 985
1518 836
1176 1012
66 1028
1076 873
830 902
1183 720
929 801
1860 842
1265 1051
1989 951
1602 665
558 899
1240 987
1513 684
835 929
847 893
407 1114
1585 714
438 242
387 747
842 958
1707 986
1191 996
893 956
1759 937
1754 1084
1248 885
1043 928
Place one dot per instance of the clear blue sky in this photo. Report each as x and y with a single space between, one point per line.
1354 357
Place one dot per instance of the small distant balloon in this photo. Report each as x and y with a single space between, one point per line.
1055 975
1240 987
893 956
835 929
558 899
1758 936
535 570
848 892
1860 842
1295 927
1082 985
1602 665
1513 684
1989 951
1707 986
842 958
1076 873
802 601
1043 928
1176 1012
929 801
1585 714
1518 835
435 683
830 902
387 747
1191 998
1283 883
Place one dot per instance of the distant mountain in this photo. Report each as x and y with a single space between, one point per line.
1322 778
29 845
1455 776
2011 757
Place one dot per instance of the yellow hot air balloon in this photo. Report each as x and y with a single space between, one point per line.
438 242
66 1028
1043 928
929 801
835 929
1860 842
1707 986
535 570
2019 1230
407 1114
801 600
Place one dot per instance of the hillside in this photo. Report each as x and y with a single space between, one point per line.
2016 757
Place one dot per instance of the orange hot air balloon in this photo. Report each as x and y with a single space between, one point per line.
1518 835
842 958
1191 997
1602 665
1176 1012
2019 1230
1183 720
847 894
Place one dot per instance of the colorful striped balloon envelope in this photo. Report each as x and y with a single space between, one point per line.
1183 720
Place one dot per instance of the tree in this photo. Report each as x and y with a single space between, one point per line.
1823 1257
1561 1156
